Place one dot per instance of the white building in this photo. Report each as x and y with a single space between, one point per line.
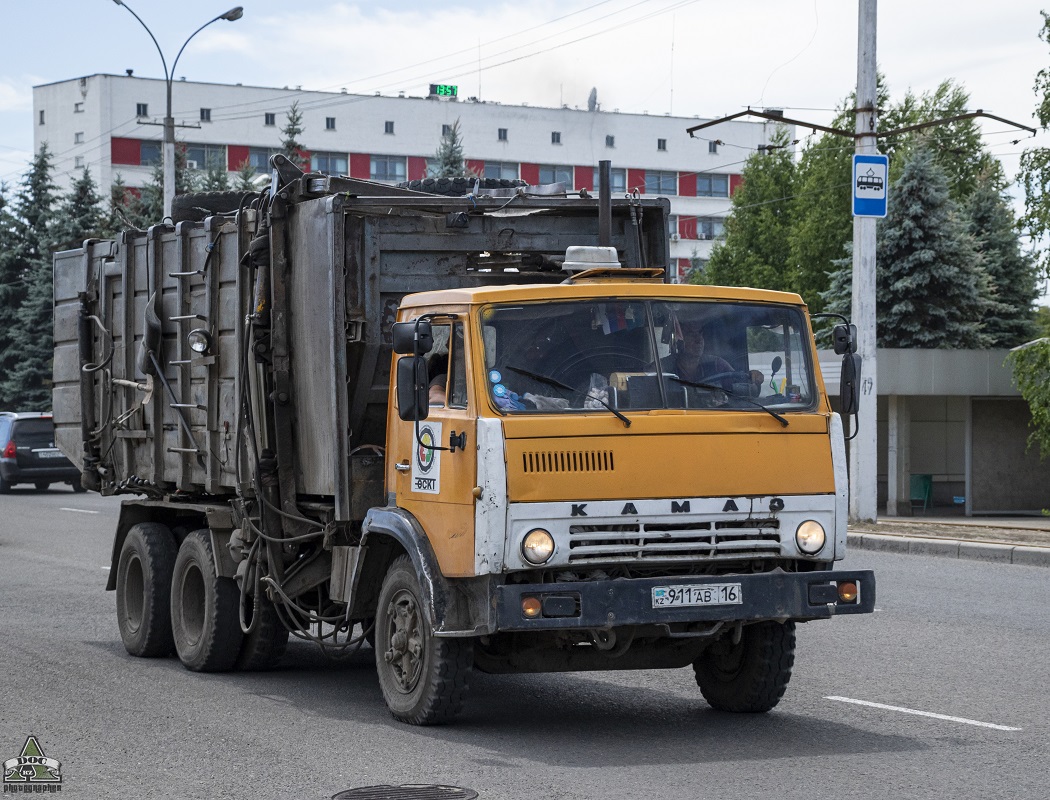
111 124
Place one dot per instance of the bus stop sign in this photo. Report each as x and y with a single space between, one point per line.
870 184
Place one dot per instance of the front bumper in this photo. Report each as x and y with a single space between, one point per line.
607 604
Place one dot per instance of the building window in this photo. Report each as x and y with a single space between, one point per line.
269 119
501 134
388 168
141 109
78 108
555 137
610 141
672 225
712 146
661 144
712 186
665 183
78 137
149 154
205 156
205 115
505 170
617 181
259 158
41 116
445 130
556 174
331 163
78 162
388 126
710 227
329 123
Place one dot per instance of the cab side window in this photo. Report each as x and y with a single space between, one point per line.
457 390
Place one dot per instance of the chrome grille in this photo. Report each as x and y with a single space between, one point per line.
712 541
568 461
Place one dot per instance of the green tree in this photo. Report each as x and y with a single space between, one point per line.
1031 372
1035 165
755 251
290 145
246 176
1009 320
449 154
80 215
930 286
12 284
214 179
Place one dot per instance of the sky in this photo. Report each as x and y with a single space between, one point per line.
685 57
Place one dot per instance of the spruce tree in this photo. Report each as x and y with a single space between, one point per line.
12 285
1010 319
246 175
290 145
80 215
930 287
449 154
214 179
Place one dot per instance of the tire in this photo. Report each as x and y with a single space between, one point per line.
197 206
457 187
144 570
5 486
77 485
749 677
423 678
263 648
41 486
204 619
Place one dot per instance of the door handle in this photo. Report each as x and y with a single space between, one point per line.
403 466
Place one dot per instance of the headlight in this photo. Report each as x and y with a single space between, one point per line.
810 537
199 340
537 547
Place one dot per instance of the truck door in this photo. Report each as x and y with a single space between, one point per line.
436 485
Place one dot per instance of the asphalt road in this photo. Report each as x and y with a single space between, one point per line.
956 638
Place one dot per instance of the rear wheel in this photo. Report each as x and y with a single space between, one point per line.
267 640
196 206
78 487
423 678
5 486
41 486
751 675
147 559
459 186
203 609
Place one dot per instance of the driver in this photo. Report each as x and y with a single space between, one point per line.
691 363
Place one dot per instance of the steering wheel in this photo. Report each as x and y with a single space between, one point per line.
736 375
575 360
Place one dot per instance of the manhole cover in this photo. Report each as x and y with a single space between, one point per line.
407 792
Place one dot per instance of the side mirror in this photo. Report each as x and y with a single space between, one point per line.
844 339
849 384
413 402
413 338
151 339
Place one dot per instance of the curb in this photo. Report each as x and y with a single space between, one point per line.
952 548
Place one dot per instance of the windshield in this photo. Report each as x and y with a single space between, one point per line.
647 354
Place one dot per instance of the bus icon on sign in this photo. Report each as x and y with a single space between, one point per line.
869 182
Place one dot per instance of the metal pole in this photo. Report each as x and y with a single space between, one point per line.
863 448
604 203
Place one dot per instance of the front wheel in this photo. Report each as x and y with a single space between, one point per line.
751 675
423 678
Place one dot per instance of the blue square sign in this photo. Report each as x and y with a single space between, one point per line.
871 177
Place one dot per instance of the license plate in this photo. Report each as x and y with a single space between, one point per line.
49 454
710 594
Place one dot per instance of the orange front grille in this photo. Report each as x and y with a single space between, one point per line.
568 461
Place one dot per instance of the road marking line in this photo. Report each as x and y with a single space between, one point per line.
106 569
924 713
78 510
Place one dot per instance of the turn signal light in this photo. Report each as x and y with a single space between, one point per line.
848 592
531 607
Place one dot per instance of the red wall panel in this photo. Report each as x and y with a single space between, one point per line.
687 227
476 166
360 165
530 173
125 151
735 182
636 180
236 154
687 184
584 178
417 168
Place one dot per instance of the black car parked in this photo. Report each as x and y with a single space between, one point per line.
28 453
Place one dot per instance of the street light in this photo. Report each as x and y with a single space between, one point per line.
169 123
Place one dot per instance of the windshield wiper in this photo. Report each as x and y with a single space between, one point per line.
547 379
710 386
